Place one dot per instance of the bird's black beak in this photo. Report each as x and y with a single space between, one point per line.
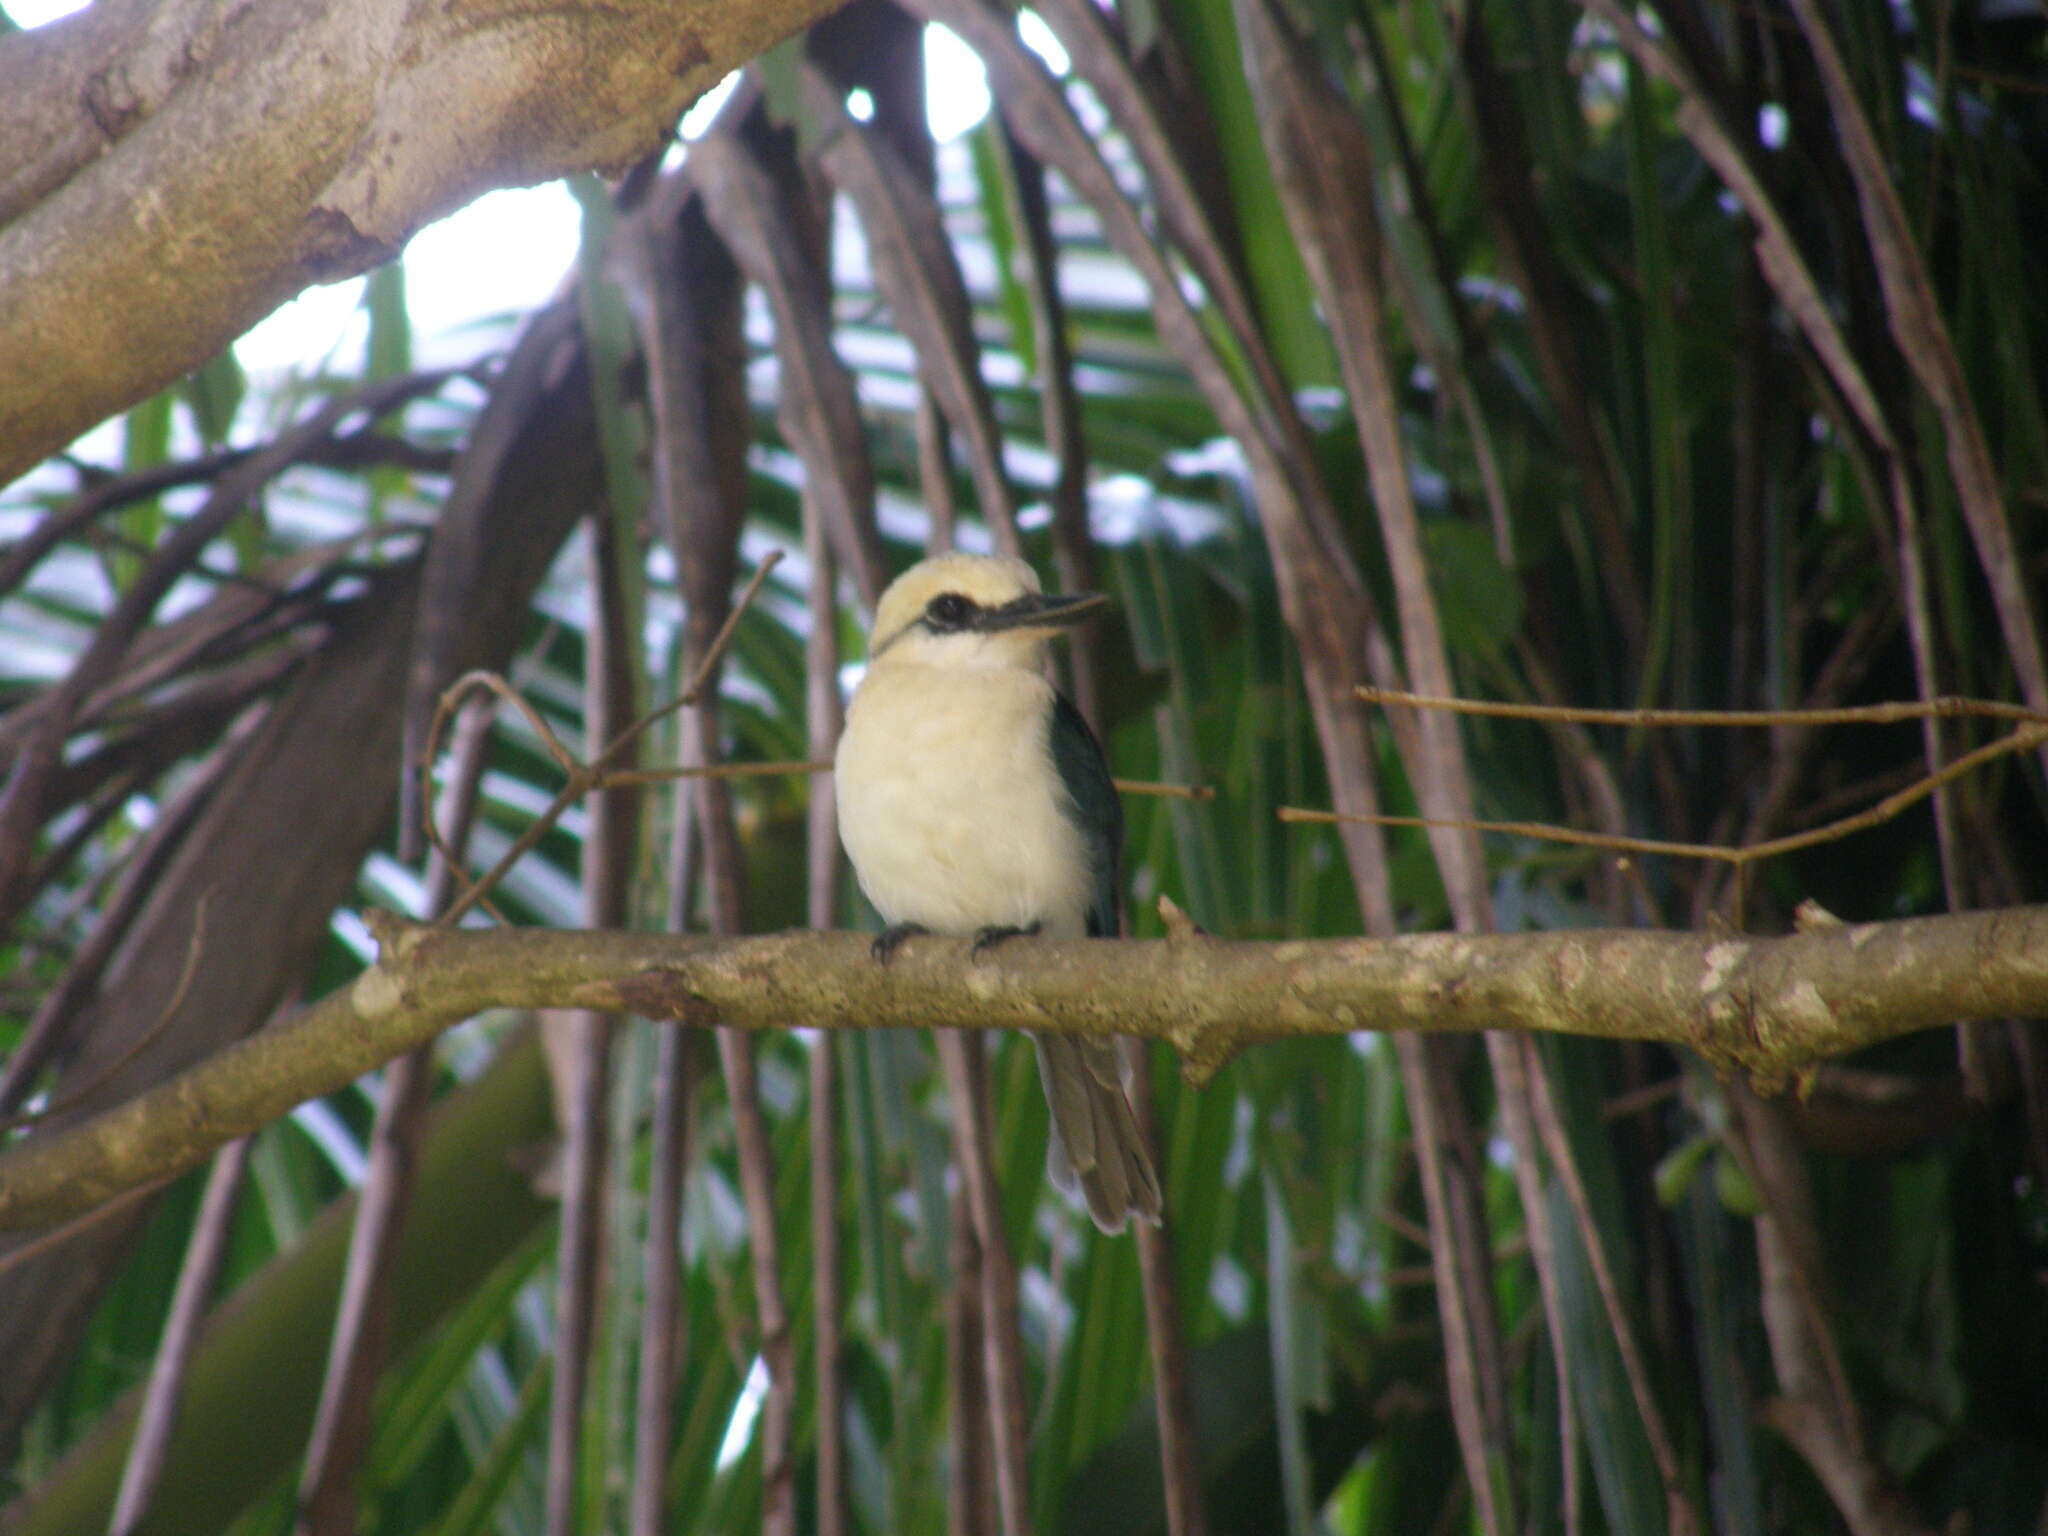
1041 611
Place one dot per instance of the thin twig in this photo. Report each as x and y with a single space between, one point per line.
457 693
1001 1334
56 1237
970 1491
1893 805
607 778
583 778
607 871
476 892
661 1319
149 1450
1514 1066
1680 1515
339 1437
822 720
1168 791
193 949
706 669
1172 1388
1946 707
612 776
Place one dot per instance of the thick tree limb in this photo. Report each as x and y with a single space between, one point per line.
175 169
1770 1007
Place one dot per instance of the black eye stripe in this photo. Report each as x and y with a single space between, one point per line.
949 611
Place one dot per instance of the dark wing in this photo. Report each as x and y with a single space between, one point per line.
1096 1142
1092 802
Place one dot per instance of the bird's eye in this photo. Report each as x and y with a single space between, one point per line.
949 610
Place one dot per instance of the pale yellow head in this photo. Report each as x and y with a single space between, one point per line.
970 611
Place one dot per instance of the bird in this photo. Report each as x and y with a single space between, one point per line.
974 802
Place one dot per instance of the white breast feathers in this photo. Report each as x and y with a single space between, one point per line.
951 807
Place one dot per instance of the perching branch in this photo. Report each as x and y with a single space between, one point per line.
1770 1007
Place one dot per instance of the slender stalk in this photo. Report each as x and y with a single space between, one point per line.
356 1352
1514 1070
1179 1458
1817 1409
204 1255
661 1338
724 875
1922 334
1325 167
1001 1333
586 1033
576 1264
970 1490
757 1189
1681 1515
828 1281
1059 405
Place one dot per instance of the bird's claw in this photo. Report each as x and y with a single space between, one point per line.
889 940
988 938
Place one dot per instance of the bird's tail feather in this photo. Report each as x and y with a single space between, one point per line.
1096 1145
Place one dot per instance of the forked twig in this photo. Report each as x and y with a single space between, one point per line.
1892 805
2031 732
582 778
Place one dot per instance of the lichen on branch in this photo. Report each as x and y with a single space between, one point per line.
1767 1007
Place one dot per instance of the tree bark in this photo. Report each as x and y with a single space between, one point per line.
175 169
1770 1007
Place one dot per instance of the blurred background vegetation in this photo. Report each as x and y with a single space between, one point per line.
1689 354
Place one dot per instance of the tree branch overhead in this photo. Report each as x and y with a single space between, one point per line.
170 210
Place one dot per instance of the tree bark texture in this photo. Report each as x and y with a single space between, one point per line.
1770 1007
172 170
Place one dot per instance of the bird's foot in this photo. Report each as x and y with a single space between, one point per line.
988 938
889 940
